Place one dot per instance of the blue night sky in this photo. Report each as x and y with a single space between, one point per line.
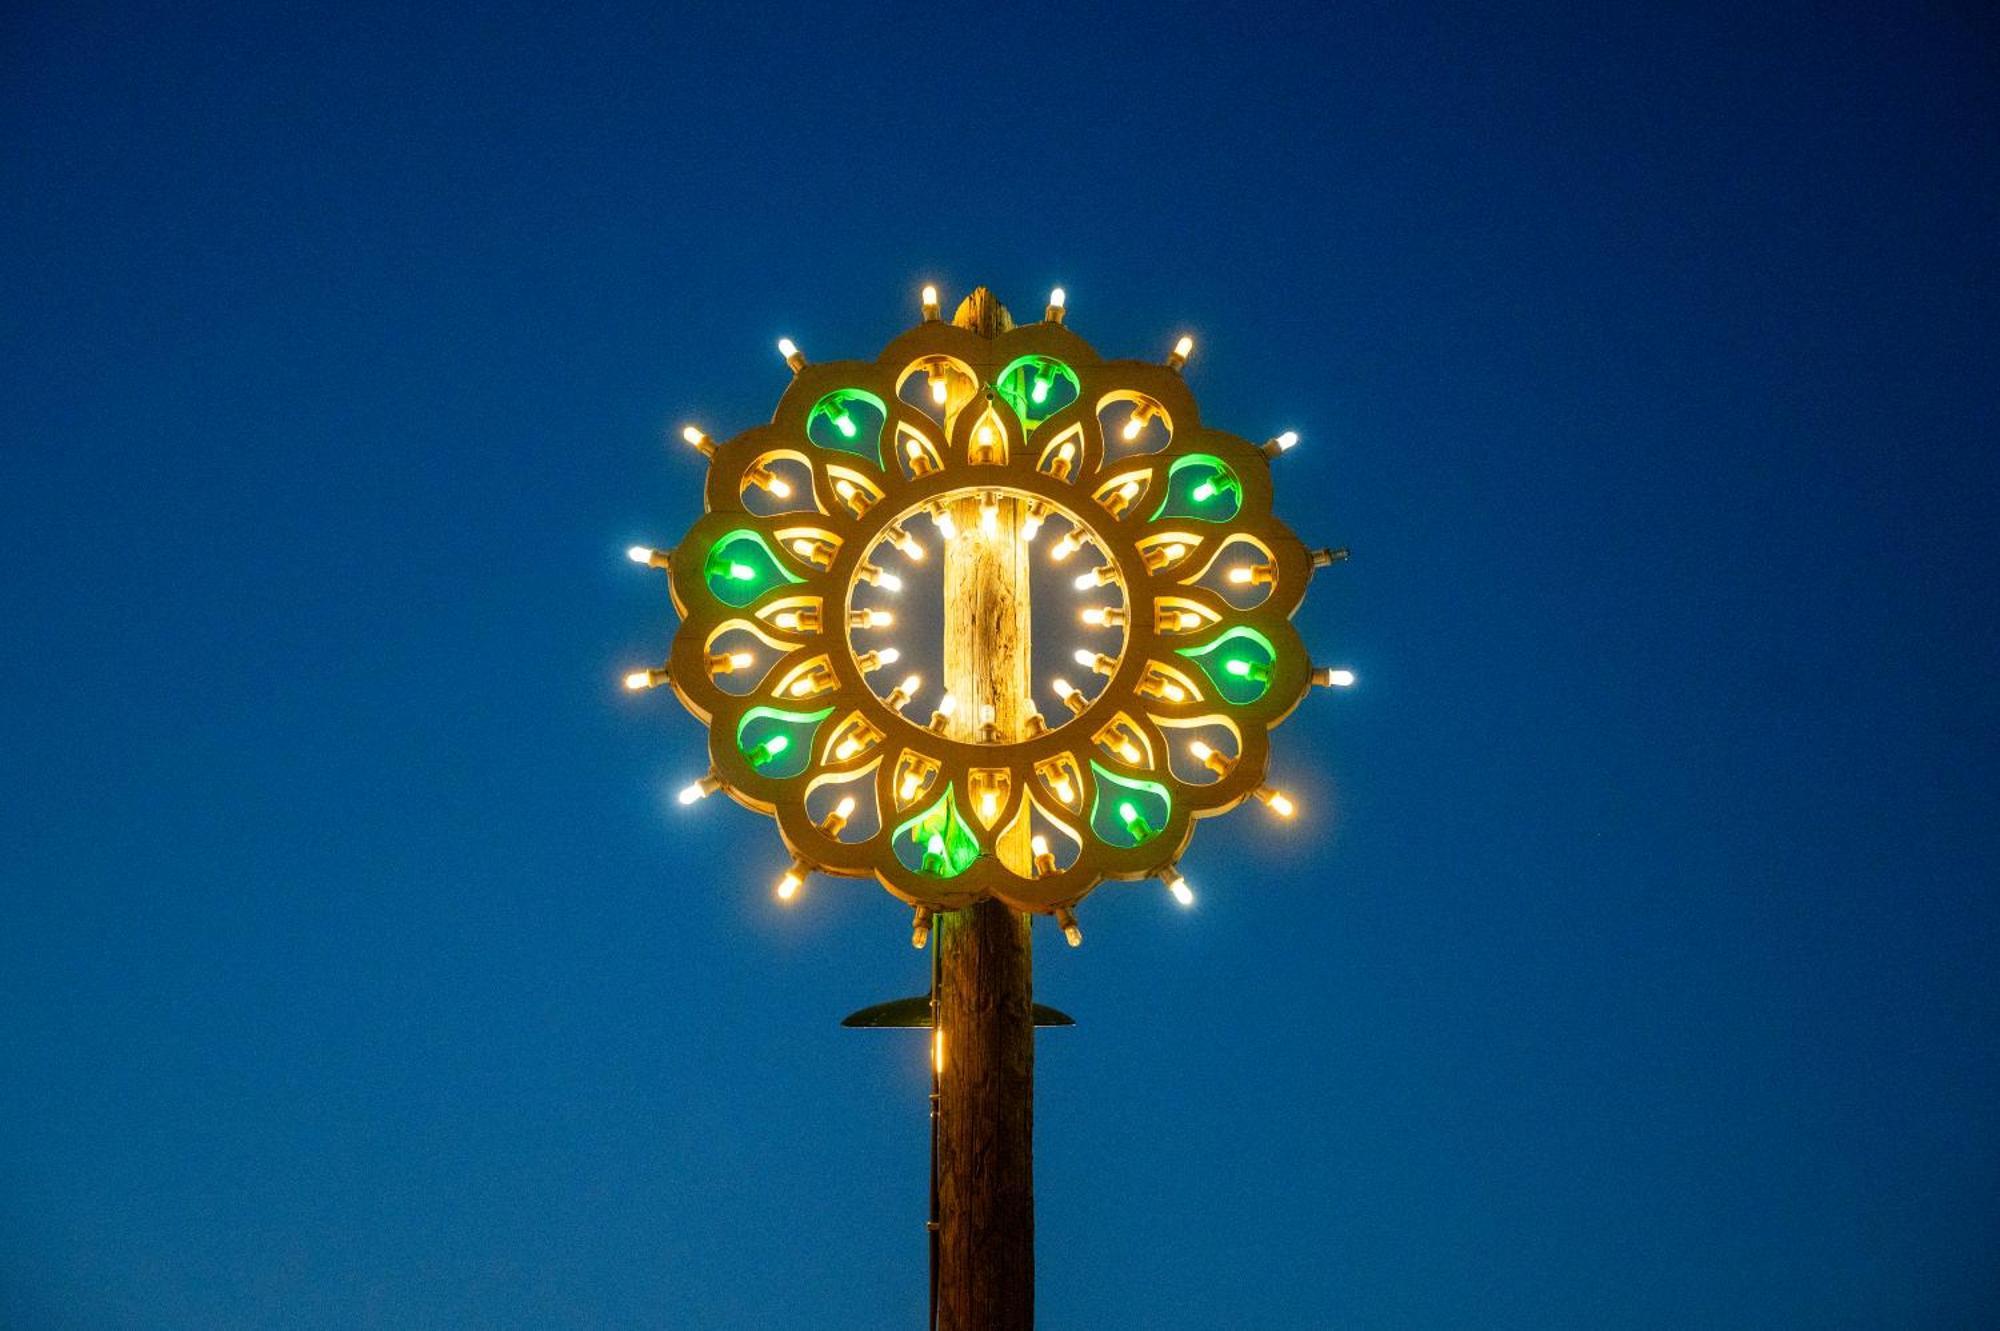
1631 963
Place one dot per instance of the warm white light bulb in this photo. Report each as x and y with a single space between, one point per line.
847 748
1129 751
947 705
1031 526
1085 581
985 432
911 783
1182 892
692 791
1084 657
1062 687
1132 428
989 519
889 582
803 548
1038 844
880 619
639 554
910 684
780 487
1340 679
741 660
1287 440
800 688
1200 750
639 679
1282 805
989 805
940 390
787 348
844 809
1058 298
930 296
1065 546
693 435
1129 491
1184 348
1173 692
1094 615
945 526
1241 576
788 886
786 619
1174 551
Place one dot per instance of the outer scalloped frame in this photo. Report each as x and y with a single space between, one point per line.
705 618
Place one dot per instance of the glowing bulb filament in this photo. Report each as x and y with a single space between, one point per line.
788 886
1276 801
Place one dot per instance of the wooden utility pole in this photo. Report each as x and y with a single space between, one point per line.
984 987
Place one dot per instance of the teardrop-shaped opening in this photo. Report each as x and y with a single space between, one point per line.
741 566
1037 387
849 420
1123 492
917 454
1242 572
1238 663
844 805
937 842
1051 835
1200 753
779 481
778 743
1129 811
938 386
1200 488
1133 424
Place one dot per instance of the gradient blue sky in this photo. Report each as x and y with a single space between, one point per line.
1632 966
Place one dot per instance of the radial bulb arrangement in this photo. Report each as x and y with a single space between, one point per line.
1024 449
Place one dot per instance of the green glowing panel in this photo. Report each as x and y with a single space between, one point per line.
1037 387
938 839
849 420
1130 811
1238 663
741 568
779 743
1202 488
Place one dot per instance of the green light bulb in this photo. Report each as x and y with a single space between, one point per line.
1135 827
1243 669
1040 392
1204 492
741 572
769 749
845 424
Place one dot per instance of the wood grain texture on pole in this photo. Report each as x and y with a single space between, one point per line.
986 1115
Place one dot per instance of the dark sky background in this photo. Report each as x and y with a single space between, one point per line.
1631 964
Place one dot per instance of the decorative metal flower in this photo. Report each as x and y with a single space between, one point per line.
1001 459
